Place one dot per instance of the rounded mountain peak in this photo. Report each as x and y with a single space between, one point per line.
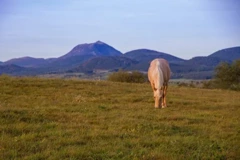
97 48
99 42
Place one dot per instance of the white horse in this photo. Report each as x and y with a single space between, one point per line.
159 75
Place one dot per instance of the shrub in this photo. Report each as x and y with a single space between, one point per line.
209 84
227 76
130 77
191 84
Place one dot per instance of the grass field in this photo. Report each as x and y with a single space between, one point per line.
76 119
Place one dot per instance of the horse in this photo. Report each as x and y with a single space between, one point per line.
158 76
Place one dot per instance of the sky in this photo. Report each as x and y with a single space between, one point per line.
183 28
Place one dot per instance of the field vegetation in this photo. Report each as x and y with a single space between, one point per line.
77 119
129 77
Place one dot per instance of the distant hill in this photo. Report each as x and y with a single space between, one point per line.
203 67
195 68
197 64
94 49
204 61
89 57
29 62
11 69
104 63
63 64
145 56
228 54
148 55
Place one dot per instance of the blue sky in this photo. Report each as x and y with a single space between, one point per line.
184 28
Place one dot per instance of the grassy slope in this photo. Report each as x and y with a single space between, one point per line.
70 119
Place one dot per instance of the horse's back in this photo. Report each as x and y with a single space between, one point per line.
159 68
165 69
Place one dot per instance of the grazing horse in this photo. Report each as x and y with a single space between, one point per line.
159 75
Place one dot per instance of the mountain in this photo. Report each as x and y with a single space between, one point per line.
82 53
74 58
229 54
133 60
94 49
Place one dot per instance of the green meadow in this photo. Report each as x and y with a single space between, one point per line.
87 120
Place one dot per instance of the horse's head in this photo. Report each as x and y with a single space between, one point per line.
158 96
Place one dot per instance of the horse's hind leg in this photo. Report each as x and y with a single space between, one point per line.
164 96
163 102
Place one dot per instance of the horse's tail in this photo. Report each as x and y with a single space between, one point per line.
160 78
